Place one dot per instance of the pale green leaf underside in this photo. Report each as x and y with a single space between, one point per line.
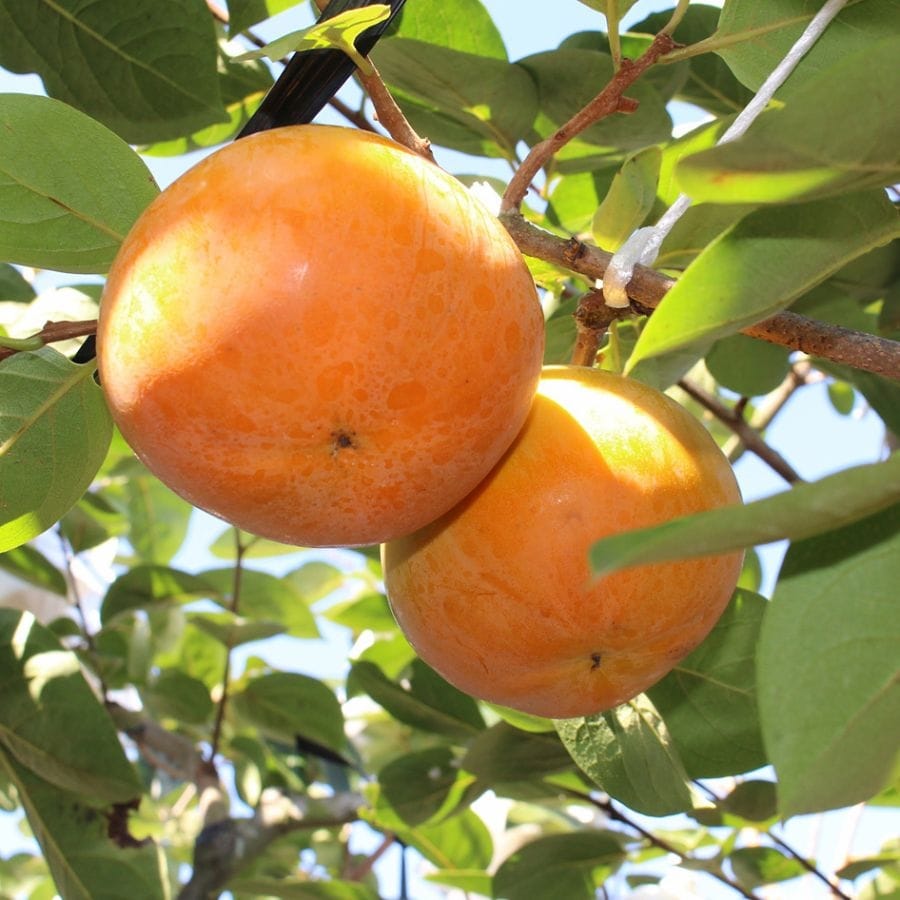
70 189
838 132
805 510
829 680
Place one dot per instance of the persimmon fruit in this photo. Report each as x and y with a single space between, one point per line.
320 337
497 596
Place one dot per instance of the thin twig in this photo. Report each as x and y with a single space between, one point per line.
77 602
58 331
750 438
810 867
359 871
233 607
617 815
610 100
391 116
799 375
867 352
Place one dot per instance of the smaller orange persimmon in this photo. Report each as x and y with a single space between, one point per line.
497 594
320 337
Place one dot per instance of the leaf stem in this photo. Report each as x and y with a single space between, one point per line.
612 28
677 15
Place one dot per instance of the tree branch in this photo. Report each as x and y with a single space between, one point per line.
749 437
223 848
58 331
610 100
867 352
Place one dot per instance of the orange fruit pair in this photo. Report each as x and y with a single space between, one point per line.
325 340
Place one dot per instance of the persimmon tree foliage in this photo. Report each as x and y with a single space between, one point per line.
165 729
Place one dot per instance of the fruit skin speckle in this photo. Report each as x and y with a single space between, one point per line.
312 281
497 594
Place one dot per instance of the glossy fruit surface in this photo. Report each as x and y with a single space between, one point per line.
496 595
320 337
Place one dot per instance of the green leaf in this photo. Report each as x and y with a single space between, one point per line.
423 785
747 366
146 69
339 32
628 752
13 286
709 83
829 688
175 695
91 521
86 863
405 706
619 7
232 630
460 842
29 564
195 653
50 720
504 753
158 518
754 37
560 865
285 704
796 152
146 587
708 701
297 889
224 546
315 580
463 25
491 102
756 866
807 509
244 13
760 265
371 612
71 188
629 200
469 881
243 86
264 599
574 198
55 429
754 801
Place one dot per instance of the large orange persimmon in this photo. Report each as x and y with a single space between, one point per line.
497 595
319 336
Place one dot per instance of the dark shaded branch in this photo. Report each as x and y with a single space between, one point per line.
225 847
867 352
